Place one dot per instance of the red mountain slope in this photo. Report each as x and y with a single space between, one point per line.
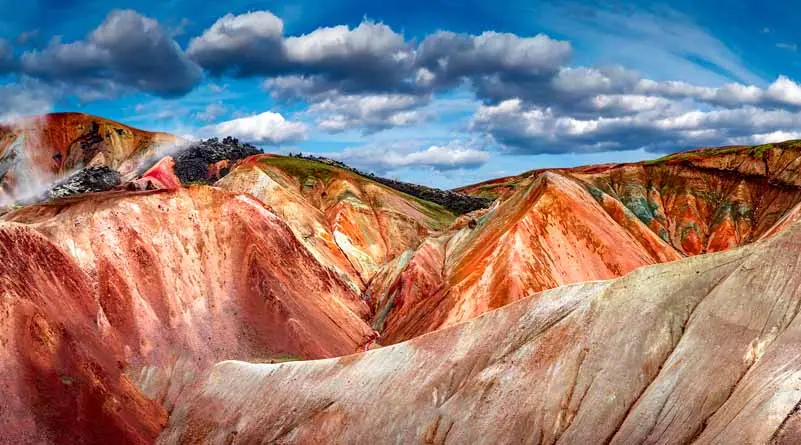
556 227
192 276
701 351
62 374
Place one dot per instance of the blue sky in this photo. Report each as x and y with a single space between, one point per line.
438 92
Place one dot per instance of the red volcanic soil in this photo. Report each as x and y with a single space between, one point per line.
702 350
555 227
62 373
184 278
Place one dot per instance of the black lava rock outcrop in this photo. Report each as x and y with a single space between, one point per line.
192 163
87 180
454 201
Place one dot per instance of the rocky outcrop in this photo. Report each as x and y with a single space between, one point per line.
195 162
615 362
87 180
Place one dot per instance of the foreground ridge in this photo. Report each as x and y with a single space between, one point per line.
699 350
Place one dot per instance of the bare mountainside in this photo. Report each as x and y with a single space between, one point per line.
122 292
701 350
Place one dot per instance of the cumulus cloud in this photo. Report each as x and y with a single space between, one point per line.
767 138
453 156
266 128
449 57
243 45
371 78
370 112
127 51
532 129
370 56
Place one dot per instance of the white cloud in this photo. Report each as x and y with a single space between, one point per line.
767 138
371 112
785 91
234 42
541 130
25 99
265 128
339 43
111 57
451 156
211 112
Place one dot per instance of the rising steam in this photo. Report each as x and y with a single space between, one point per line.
28 179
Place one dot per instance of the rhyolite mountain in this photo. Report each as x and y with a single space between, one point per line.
181 292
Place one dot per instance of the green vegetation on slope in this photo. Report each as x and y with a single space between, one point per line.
306 170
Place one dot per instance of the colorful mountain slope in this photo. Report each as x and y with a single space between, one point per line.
36 151
287 258
549 233
351 223
192 276
555 227
698 201
700 350
61 373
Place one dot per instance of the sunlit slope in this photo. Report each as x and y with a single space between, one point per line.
184 278
351 223
698 201
701 350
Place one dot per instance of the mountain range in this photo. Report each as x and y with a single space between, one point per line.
162 290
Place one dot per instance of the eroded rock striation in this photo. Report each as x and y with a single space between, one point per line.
174 281
500 325
617 362
61 372
555 227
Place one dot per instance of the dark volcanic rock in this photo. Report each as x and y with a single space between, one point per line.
87 180
192 163
454 201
